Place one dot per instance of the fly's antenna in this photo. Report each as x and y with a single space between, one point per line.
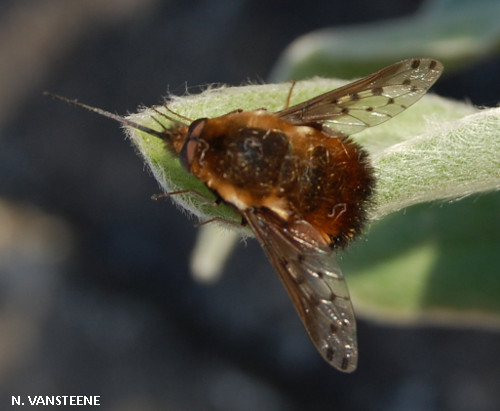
163 135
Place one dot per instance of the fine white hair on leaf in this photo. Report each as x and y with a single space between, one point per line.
449 161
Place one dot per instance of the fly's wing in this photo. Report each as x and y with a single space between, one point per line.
368 101
307 267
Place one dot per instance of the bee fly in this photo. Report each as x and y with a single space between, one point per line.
301 184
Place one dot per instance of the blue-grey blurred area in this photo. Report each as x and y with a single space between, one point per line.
95 293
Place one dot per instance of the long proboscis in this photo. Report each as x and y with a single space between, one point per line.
163 135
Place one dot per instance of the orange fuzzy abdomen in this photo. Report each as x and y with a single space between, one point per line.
254 159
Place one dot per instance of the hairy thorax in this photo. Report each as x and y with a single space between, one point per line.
254 159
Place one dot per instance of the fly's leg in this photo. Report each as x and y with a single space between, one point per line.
289 96
209 201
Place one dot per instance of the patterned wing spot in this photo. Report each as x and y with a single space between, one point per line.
314 300
415 63
345 363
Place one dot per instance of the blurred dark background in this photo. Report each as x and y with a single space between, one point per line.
96 297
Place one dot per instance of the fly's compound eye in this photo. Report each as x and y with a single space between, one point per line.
188 150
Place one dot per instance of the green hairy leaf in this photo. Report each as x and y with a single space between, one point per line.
431 262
